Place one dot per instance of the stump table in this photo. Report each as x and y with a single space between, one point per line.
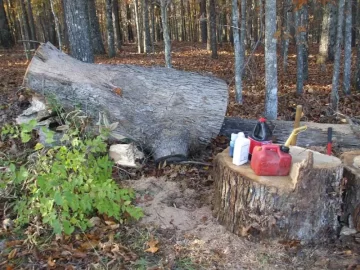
302 206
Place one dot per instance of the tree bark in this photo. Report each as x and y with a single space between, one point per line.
302 206
167 111
116 24
146 27
271 83
166 36
347 47
351 202
203 23
324 40
208 26
357 79
213 38
77 21
242 34
25 27
183 21
110 28
57 24
97 43
138 30
299 52
305 46
31 24
285 47
237 51
335 81
332 30
6 39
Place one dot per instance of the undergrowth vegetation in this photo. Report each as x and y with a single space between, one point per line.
65 184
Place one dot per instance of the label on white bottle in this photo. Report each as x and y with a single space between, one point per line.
244 153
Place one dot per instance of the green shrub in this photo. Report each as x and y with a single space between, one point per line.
69 184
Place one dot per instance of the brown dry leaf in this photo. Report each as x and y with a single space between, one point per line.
79 254
89 245
118 91
14 243
9 267
152 246
12 254
51 262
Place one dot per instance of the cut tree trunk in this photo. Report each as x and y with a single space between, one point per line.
167 111
302 206
344 135
351 197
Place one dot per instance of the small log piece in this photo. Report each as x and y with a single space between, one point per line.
351 194
302 206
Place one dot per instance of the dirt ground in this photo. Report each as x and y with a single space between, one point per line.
177 201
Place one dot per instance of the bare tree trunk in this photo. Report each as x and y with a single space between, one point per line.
110 28
203 24
167 42
138 30
208 26
64 31
357 80
25 27
347 46
96 40
324 40
57 25
237 50
213 39
305 47
31 23
77 21
332 30
285 47
153 22
116 23
271 83
335 80
183 23
242 34
146 26
299 52
6 38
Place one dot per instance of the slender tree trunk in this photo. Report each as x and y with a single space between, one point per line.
110 28
77 21
254 21
299 52
64 31
208 26
242 34
116 23
347 46
203 23
190 31
335 80
25 27
332 31
153 22
213 38
138 30
146 26
354 23
237 52
324 40
96 40
57 24
271 84
183 23
167 42
305 47
6 39
357 79
285 47
31 23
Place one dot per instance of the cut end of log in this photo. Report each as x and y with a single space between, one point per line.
302 206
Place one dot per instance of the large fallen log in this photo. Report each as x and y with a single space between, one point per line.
316 134
168 111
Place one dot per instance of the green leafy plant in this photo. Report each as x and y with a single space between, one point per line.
14 131
66 185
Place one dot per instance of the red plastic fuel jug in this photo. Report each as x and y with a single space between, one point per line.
269 160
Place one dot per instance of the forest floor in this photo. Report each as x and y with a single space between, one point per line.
178 226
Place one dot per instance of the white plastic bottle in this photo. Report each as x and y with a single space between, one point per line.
241 149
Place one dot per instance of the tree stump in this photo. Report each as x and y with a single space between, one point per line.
169 112
302 206
351 185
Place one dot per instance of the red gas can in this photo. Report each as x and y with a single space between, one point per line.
269 160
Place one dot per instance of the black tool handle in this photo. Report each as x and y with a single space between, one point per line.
330 131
